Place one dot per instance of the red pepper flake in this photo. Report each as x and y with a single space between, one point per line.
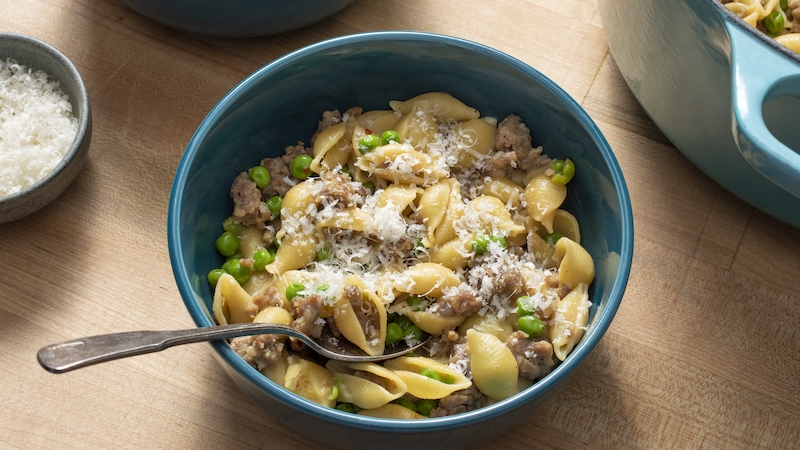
367 131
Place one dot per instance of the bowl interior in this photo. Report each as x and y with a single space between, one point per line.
282 103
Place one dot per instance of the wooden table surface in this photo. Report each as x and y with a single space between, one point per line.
703 353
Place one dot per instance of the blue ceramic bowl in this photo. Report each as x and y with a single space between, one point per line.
282 103
724 94
236 18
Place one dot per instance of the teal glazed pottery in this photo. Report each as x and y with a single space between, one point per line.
283 101
37 55
726 95
236 18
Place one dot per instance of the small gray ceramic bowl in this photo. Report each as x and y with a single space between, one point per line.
282 103
236 18
38 55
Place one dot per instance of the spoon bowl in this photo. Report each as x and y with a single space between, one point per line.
70 355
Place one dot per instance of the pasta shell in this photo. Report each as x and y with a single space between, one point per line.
426 279
378 121
572 315
575 263
433 323
392 411
418 128
541 250
475 139
328 151
491 216
487 323
251 239
363 392
397 197
790 41
494 368
309 380
349 322
273 314
453 254
295 252
455 211
277 372
543 198
567 225
433 207
409 370
402 164
232 304
507 191
442 105
351 218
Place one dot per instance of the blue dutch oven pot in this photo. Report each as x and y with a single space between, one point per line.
726 95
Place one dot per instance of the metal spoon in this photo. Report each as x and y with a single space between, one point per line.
77 353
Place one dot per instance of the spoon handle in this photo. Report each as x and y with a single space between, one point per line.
77 353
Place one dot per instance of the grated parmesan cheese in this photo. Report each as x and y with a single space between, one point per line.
37 126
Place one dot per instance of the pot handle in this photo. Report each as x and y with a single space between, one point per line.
759 75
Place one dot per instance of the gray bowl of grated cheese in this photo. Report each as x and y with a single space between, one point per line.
45 124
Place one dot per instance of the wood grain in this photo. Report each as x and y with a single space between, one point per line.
704 352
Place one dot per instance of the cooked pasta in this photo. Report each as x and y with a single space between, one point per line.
422 219
776 18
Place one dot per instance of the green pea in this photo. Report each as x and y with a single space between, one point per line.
227 265
262 258
774 22
294 290
389 136
404 323
241 273
425 406
324 254
348 407
499 240
480 244
274 205
227 244
368 143
213 276
414 333
531 325
448 379
335 388
416 303
406 403
430 373
369 185
334 393
260 175
346 170
552 238
229 225
301 167
785 5
394 333
525 306
564 171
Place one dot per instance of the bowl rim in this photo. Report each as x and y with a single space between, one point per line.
84 121
589 340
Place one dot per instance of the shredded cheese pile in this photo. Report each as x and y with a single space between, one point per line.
37 126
